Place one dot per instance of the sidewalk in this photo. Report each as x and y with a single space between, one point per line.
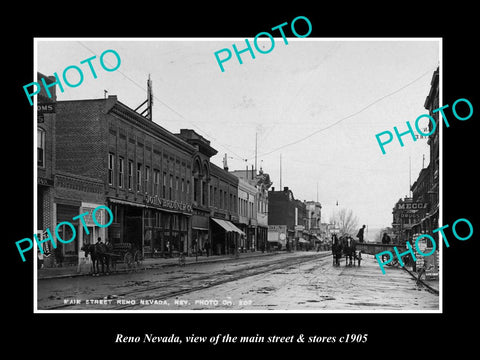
431 284
149 263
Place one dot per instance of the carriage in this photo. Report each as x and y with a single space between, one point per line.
345 246
376 248
125 253
105 255
356 249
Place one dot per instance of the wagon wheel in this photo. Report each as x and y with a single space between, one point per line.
128 258
138 258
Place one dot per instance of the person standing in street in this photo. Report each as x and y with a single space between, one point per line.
386 239
360 234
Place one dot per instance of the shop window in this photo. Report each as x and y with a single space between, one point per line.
66 233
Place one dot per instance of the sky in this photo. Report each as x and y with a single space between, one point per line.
315 103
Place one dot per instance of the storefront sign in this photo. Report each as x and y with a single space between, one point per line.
278 228
47 108
420 243
45 182
219 215
413 206
167 204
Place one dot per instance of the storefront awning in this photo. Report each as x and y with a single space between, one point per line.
228 226
199 228
124 202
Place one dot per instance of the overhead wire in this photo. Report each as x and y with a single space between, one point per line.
173 110
349 116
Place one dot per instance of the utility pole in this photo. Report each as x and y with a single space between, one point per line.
410 176
281 171
256 136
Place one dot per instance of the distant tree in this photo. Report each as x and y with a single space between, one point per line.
346 221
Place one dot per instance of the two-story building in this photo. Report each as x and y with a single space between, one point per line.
108 154
225 235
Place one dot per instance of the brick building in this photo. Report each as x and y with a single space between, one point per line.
45 165
282 210
225 234
215 196
432 103
108 154
257 224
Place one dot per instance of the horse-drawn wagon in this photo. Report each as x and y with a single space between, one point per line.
345 246
112 254
126 253
376 248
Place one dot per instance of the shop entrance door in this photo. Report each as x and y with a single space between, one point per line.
133 227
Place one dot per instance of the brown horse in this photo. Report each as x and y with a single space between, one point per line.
349 248
337 247
98 255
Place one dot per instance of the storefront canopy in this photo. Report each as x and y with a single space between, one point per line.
228 226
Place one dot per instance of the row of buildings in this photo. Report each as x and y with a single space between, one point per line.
165 194
418 214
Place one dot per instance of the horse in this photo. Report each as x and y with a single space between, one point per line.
336 250
98 255
349 249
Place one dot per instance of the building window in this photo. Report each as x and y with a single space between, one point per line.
164 189
170 188
204 193
183 190
130 174
156 181
111 161
177 194
41 147
147 178
139 176
195 189
120 172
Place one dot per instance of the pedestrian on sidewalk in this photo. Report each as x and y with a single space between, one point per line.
207 248
40 259
58 255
